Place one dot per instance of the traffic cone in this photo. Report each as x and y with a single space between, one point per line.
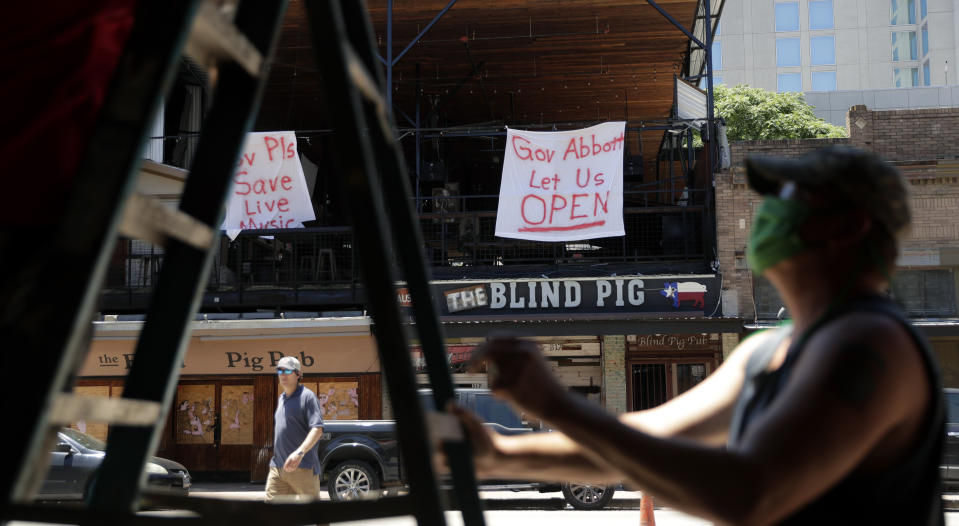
646 517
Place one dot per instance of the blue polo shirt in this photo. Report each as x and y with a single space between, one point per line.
295 416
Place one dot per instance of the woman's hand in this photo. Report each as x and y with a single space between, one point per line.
519 373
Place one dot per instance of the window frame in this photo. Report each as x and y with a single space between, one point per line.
835 81
912 45
832 14
776 13
910 13
798 51
812 54
779 77
927 307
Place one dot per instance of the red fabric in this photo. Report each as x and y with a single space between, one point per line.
58 59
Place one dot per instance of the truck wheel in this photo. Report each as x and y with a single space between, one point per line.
587 496
353 480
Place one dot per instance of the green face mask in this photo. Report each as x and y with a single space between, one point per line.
775 232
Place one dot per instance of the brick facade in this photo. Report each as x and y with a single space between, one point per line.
614 373
924 144
906 135
736 204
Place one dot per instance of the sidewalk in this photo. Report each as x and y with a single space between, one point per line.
495 499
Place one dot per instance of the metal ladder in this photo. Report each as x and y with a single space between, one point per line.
48 308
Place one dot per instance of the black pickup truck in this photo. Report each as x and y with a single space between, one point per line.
361 458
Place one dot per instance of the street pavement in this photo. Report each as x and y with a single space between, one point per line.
504 508
529 508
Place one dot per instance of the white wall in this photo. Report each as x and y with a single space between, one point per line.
832 106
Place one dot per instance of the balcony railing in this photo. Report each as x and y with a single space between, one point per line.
457 231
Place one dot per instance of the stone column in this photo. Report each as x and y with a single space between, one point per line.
614 373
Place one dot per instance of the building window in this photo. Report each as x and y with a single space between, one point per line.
718 25
787 16
922 9
905 77
822 51
823 81
902 12
820 14
787 52
788 82
904 46
717 56
768 301
925 40
926 75
925 292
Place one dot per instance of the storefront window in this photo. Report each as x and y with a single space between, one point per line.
925 292
689 374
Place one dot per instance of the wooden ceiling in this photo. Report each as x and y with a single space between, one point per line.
515 62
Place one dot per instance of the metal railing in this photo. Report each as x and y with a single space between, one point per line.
457 231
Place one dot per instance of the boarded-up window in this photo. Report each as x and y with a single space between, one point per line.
94 429
236 414
925 292
339 400
195 414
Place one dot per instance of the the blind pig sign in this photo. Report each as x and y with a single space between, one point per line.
615 294
269 188
562 186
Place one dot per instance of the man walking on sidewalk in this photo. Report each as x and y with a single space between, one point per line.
298 425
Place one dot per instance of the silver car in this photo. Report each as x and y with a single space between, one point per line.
76 457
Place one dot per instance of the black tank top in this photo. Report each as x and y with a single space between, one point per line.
909 493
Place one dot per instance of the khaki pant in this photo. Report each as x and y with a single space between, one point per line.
302 484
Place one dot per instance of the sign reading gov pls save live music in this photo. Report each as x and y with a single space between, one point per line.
269 188
562 186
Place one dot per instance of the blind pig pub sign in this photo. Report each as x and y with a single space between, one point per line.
692 294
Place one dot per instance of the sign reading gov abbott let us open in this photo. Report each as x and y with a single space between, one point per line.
562 186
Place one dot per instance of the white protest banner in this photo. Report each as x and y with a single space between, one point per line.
562 186
269 190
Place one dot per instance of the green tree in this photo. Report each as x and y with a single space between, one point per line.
754 113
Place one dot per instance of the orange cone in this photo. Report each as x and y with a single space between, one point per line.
646 517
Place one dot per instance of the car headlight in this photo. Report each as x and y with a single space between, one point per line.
155 469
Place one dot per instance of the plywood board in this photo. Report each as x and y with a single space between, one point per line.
236 414
339 400
94 429
194 414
